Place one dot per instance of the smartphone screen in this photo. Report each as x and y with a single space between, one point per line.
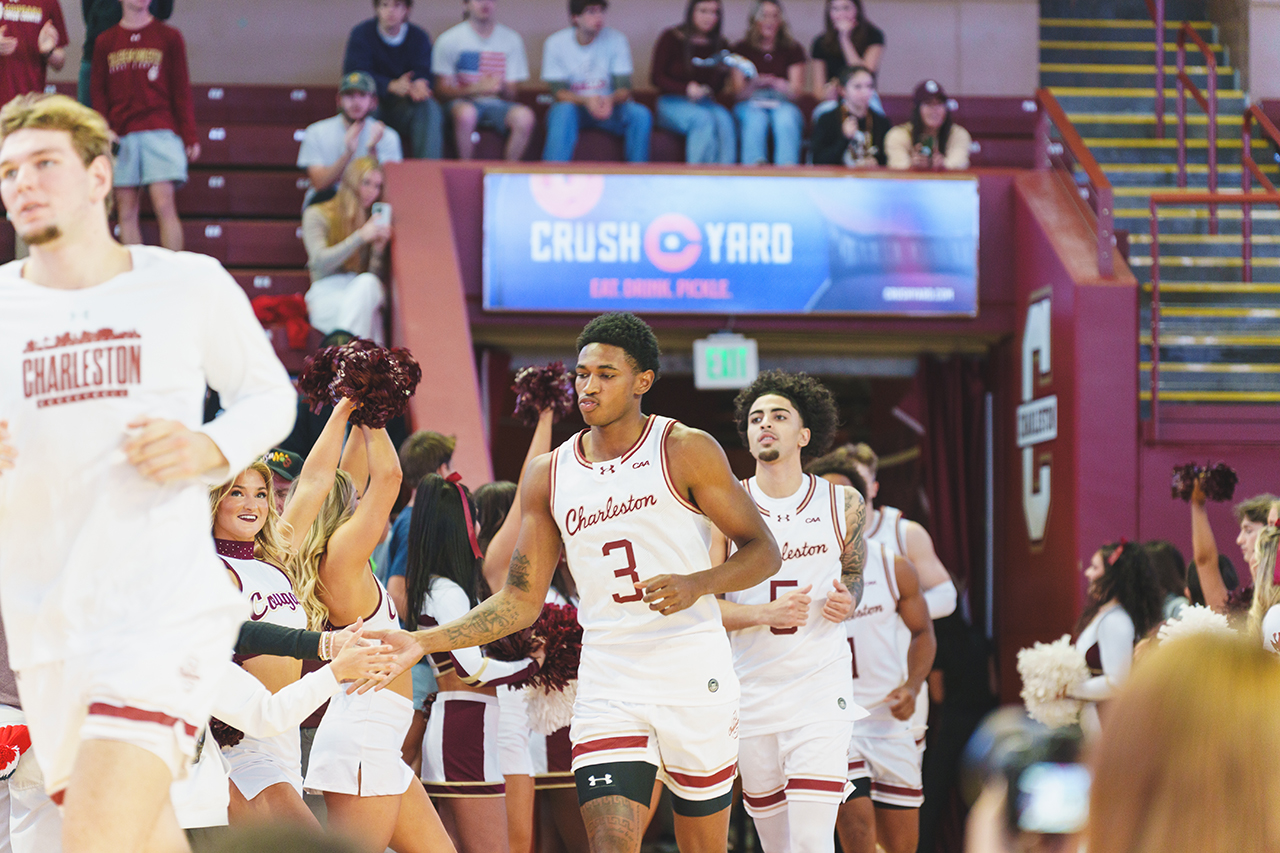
1053 798
381 211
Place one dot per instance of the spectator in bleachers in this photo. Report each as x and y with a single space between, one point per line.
847 38
931 140
140 84
329 145
100 16
689 72
346 254
852 135
29 45
767 101
588 67
477 66
397 54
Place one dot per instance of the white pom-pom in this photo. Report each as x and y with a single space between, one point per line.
550 711
1048 671
1195 619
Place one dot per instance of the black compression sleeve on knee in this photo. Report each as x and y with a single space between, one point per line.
700 808
630 779
861 788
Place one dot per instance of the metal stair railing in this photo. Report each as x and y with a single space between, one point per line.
1094 201
1250 169
1156 8
1212 200
1209 103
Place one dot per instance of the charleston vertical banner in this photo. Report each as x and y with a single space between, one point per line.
729 244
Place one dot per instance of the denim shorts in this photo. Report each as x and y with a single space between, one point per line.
150 157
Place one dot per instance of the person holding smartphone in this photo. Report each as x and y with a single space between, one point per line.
346 240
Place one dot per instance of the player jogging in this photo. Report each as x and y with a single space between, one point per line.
120 616
657 696
789 648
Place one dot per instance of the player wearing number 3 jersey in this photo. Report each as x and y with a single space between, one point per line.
630 499
787 633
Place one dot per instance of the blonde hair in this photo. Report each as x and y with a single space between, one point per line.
1266 593
339 505
1188 755
90 136
271 544
345 214
864 455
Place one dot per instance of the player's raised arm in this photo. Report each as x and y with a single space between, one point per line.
700 472
853 559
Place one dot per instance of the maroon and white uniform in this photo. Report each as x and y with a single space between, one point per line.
797 689
357 749
258 763
460 756
889 529
883 748
119 613
653 688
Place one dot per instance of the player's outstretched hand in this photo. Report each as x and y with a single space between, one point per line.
166 451
405 652
669 594
8 453
358 660
790 610
901 702
839 604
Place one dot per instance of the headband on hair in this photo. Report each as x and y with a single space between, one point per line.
456 479
1115 555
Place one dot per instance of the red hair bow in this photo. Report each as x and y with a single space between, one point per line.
456 479
1115 555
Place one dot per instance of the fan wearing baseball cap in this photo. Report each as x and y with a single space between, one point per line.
931 140
284 465
331 144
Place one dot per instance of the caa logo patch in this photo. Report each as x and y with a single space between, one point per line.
673 242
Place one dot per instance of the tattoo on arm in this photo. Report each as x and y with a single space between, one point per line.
495 617
518 573
853 559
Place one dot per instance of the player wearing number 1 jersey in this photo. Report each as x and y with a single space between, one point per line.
798 709
629 500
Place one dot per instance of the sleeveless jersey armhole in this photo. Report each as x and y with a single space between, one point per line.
897 532
234 574
551 481
666 469
838 520
891 572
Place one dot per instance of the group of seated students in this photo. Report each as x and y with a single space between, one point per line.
728 100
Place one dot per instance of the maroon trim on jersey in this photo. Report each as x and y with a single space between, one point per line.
860 764
234 574
897 790
58 796
551 480
234 549
102 709
837 515
443 661
666 472
879 521
765 800
580 453
891 572
690 780
897 533
607 743
381 598
813 487
831 785
462 740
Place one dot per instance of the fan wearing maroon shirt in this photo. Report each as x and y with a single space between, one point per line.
32 38
140 84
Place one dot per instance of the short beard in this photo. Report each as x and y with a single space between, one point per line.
45 235
769 454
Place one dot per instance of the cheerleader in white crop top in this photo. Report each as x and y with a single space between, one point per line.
356 757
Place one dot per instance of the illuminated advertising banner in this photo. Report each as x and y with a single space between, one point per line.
729 244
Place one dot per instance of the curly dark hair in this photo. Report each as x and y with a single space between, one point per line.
1131 581
839 461
629 333
1169 565
816 405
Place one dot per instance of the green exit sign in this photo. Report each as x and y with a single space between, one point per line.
725 361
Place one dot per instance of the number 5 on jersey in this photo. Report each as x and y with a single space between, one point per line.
628 571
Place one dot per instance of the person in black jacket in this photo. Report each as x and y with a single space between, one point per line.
100 16
853 134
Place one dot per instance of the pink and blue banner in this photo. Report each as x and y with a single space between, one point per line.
730 244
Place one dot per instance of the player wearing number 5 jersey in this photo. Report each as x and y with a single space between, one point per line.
788 637
629 499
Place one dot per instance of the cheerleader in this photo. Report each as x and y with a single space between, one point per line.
1264 614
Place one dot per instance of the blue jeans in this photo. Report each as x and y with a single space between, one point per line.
419 123
755 118
708 129
629 120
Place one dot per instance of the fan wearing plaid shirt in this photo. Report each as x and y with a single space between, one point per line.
477 65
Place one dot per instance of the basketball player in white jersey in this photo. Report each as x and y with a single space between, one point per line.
120 617
797 710
629 500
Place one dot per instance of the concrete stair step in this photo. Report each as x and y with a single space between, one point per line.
1138 99
1125 75
1124 52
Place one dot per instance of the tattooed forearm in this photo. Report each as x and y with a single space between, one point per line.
495 617
853 559
518 573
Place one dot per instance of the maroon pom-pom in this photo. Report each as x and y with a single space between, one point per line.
1239 600
512 647
225 734
1218 482
541 388
561 635
378 380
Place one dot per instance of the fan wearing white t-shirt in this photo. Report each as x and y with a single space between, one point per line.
120 617
588 67
477 65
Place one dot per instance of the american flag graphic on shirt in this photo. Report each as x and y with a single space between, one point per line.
474 64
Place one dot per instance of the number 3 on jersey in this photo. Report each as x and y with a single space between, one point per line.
628 571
